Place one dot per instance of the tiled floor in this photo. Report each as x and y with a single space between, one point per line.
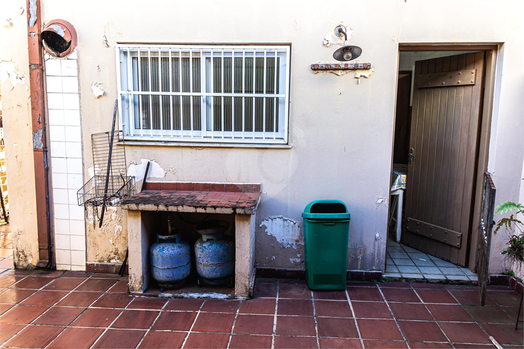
406 263
84 310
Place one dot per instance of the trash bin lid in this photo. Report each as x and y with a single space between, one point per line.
326 209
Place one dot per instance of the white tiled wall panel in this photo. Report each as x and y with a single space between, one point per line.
63 102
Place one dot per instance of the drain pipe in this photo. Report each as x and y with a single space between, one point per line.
36 78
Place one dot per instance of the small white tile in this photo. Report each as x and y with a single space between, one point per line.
58 149
61 226
78 258
74 166
58 165
57 133
53 67
69 67
56 117
72 134
71 101
61 211
76 212
78 243
78 267
63 257
62 242
77 227
63 267
55 101
73 56
60 196
59 181
70 84
74 150
53 84
74 181
73 197
72 118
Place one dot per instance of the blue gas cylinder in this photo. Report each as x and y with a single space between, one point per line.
214 253
170 259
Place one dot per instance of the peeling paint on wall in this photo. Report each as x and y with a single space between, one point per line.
285 230
138 170
8 71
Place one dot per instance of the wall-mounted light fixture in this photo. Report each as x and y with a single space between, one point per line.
348 52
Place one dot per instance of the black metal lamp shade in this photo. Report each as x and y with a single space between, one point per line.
347 53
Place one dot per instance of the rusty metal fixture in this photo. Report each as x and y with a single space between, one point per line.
59 38
36 78
348 52
341 66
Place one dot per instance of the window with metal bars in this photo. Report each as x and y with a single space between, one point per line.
224 94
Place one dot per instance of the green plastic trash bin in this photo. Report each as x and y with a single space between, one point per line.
326 234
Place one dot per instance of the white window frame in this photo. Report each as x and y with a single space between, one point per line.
129 92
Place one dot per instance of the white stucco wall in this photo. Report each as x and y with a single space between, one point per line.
340 131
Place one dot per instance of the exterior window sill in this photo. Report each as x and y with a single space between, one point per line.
204 145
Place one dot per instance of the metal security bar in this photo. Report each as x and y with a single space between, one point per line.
225 94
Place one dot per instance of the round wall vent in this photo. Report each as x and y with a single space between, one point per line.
59 38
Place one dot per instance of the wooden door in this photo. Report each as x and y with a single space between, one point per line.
443 142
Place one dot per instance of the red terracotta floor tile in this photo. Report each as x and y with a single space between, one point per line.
364 294
330 295
79 299
78 338
119 287
265 290
6 281
443 312
206 340
220 306
394 285
105 276
422 331
254 324
336 327
258 306
378 344
436 296
431 345
376 310
5 307
431 286
294 290
47 273
339 343
505 333
8 330
64 284
184 304
120 339
59 316
47 298
464 332
32 283
77 274
295 342
147 303
295 307
96 318
410 311
295 326
13 296
96 285
332 308
469 297
155 340
174 321
506 298
212 322
400 295
472 346
35 336
379 329
136 319
22 314
245 341
113 300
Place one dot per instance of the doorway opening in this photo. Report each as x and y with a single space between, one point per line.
437 154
